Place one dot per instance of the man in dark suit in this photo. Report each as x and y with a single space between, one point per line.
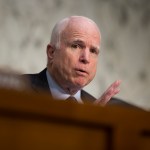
39 83
72 56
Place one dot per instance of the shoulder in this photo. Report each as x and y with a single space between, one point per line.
120 102
86 97
37 81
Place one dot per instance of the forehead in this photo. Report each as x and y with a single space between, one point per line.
83 30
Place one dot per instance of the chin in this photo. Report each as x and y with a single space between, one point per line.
80 84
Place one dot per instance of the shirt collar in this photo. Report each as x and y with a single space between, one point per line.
58 92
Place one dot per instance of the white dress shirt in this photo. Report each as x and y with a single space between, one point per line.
58 93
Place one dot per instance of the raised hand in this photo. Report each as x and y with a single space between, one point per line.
109 93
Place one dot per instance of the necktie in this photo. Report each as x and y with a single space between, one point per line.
71 99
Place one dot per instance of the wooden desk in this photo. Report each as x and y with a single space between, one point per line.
35 122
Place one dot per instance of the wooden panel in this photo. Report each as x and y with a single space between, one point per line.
144 140
31 121
18 133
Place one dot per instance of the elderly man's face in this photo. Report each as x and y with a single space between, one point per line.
75 62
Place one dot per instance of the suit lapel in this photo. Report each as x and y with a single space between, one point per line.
39 83
86 97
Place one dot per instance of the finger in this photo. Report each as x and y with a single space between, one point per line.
116 83
109 93
105 96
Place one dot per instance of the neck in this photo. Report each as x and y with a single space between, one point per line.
68 88
70 91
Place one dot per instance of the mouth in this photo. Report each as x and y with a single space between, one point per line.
81 72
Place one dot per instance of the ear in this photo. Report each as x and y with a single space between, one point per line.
50 52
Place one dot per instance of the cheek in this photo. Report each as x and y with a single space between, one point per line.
93 67
65 64
92 70
68 62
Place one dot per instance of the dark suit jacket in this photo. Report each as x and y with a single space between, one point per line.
38 83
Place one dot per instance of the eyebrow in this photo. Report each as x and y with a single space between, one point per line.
78 41
81 42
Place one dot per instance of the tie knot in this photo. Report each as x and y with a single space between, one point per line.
71 99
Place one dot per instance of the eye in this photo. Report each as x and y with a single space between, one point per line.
94 51
74 45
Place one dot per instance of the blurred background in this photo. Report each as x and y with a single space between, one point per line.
25 28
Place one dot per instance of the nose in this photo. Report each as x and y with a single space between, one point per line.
85 56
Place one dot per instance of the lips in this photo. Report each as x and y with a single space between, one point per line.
81 72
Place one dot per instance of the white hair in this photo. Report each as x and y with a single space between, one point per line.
57 31
61 26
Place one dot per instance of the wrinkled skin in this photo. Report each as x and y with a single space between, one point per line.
73 64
